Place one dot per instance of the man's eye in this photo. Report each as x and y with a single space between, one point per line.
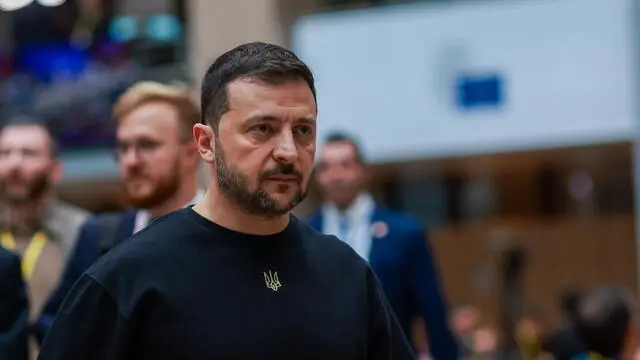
263 129
148 145
304 130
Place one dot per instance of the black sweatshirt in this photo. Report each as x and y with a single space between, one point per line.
187 288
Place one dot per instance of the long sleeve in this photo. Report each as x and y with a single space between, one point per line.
14 309
386 340
83 255
89 325
427 292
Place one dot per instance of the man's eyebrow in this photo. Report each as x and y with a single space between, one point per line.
262 118
306 120
272 119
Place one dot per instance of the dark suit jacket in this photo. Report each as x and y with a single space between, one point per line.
86 251
403 261
14 309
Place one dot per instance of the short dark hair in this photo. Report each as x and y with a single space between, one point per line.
603 320
270 63
343 137
29 120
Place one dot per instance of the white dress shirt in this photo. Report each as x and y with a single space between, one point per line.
142 216
352 225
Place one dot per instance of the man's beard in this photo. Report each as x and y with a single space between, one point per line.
163 190
35 189
235 186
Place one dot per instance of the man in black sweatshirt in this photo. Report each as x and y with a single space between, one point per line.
236 276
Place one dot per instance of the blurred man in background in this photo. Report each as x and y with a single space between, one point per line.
37 226
529 332
465 321
394 244
158 160
607 321
485 345
564 343
14 309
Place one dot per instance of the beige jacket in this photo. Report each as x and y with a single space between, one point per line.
61 222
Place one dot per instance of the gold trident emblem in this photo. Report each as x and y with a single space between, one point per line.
271 280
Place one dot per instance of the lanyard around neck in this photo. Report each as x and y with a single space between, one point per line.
31 254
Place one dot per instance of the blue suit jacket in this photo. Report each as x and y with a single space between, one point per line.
403 261
86 252
14 308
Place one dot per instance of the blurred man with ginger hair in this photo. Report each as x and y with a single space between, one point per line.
158 160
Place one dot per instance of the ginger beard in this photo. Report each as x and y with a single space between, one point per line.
144 192
234 184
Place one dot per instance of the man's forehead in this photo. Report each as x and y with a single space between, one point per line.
23 135
149 120
246 92
138 133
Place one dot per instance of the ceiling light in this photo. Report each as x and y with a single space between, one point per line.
51 3
13 5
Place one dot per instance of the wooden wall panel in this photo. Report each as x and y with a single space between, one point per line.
561 253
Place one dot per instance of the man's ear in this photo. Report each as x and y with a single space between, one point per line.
205 138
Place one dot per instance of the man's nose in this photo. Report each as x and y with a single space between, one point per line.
129 158
286 150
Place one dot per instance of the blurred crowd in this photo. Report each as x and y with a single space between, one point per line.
598 324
